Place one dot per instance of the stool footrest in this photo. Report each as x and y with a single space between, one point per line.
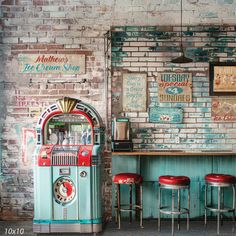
176 211
215 209
134 208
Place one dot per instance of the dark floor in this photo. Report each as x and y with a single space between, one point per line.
150 228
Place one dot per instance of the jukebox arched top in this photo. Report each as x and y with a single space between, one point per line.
69 122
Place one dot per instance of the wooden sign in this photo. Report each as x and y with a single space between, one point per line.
175 87
223 109
51 63
165 115
134 92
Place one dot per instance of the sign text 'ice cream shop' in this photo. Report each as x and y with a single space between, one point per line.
51 63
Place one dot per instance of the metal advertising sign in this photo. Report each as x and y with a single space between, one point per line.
134 92
51 63
165 115
223 109
175 87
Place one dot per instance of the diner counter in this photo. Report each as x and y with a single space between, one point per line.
152 164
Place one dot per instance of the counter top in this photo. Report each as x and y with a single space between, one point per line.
173 153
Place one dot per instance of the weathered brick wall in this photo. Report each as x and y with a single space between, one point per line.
66 26
150 50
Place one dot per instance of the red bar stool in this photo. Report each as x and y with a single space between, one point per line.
174 183
221 181
130 179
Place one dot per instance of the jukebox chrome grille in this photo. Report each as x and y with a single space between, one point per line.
64 159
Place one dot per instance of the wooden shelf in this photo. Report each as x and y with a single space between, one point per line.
174 153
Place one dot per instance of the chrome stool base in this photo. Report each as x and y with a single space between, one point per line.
173 210
220 208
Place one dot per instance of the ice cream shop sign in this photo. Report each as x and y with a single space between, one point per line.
51 63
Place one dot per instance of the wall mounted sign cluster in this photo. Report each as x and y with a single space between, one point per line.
175 87
51 63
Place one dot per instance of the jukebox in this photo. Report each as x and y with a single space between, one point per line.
67 170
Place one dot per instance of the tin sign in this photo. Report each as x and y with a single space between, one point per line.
165 115
223 109
51 63
134 92
175 87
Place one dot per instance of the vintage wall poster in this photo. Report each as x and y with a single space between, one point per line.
223 109
223 78
174 87
134 92
51 63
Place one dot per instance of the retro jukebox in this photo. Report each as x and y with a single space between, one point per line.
67 171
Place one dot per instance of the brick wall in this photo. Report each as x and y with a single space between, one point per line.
150 50
66 26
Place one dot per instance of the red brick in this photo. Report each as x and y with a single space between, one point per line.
8 2
38 46
19 47
70 86
43 27
54 46
40 2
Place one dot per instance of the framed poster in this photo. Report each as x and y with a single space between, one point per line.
174 87
222 78
134 92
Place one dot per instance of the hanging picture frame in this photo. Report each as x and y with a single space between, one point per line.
222 78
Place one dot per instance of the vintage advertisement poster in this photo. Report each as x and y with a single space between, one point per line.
134 92
174 87
224 79
223 109
51 63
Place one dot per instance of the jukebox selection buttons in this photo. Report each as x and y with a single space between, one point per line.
83 174
64 190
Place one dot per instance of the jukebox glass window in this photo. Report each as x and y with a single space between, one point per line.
68 129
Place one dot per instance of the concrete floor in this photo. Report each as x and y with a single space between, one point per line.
150 228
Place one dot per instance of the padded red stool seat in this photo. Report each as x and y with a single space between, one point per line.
173 183
220 178
221 181
129 179
174 180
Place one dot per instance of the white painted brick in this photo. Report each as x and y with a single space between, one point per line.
136 64
140 120
10 40
138 44
144 49
28 39
130 49
130 58
146 58
64 40
58 14
156 64
138 54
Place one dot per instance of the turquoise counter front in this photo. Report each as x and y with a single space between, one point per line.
151 165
